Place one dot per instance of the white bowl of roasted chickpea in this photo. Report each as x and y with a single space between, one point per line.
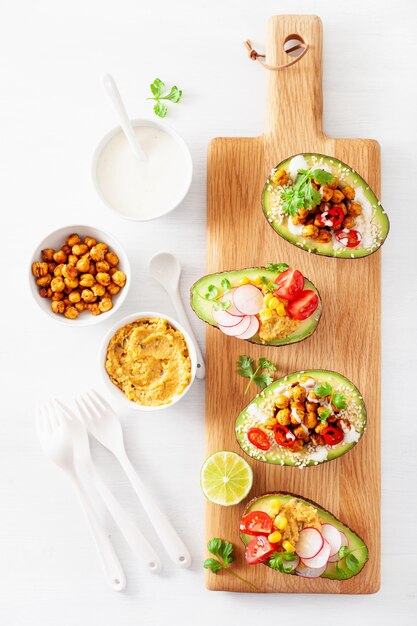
79 275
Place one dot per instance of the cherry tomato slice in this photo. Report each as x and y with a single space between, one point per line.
258 438
332 435
256 523
258 550
290 284
348 238
283 436
304 305
332 218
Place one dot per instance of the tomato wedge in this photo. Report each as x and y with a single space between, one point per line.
256 523
348 238
258 438
258 550
332 435
283 436
304 305
290 284
331 218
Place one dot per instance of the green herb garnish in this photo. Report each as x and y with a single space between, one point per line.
223 551
278 267
158 89
351 561
260 374
213 295
226 284
302 194
339 401
323 390
278 560
324 415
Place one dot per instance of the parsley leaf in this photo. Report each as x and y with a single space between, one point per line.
212 293
278 267
279 561
352 563
302 194
324 414
174 95
213 565
158 88
339 401
322 176
226 284
260 374
160 109
223 550
323 390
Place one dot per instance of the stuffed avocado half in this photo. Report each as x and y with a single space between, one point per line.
294 535
272 306
303 419
323 206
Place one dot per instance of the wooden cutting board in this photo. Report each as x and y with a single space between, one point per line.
347 339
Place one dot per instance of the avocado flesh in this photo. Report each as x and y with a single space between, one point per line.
356 544
272 455
351 178
203 308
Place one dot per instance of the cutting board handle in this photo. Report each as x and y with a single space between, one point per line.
295 92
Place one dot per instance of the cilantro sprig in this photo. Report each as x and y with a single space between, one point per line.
302 194
282 561
223 553
259 374
213 295
159 93
351 562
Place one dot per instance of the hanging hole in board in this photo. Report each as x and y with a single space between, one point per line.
294 45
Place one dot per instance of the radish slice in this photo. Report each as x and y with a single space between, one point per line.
224 318
333 537
248 299
240 328
252 330
232 310
320 559
310 572
345 542
290 566
310 543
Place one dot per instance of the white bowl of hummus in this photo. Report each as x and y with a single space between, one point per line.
149 359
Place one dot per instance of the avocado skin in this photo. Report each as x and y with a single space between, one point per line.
332 575
314 247
329 374
310 323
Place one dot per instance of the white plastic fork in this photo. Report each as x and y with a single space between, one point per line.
57 446
136 540
102 422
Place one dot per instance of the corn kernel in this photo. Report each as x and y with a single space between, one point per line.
256 279
288 547
281 309
268 298
266 314
280 522
273 303
274 506
275 537
244 281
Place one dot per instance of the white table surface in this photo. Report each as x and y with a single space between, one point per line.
52 114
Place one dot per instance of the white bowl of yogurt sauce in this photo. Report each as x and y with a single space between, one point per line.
143 190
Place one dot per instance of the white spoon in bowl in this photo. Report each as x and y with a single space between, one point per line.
117 102
166 269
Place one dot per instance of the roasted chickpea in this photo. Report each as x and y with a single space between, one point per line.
324 236
282 402
343 206
119 278
310 419
89 241
60 257
98 290
74 297
311 407
105 304
48 254
334 184
320 427
87 280
112 258
71 283
349 192
80 306
57 284
284 417
317 440
72 240
57 295
94 309
298 393
79 249
43 292
280 177
58 306
58 269
348 222
92 269
97 253
326 193
270 423
66 248
297 445
310 231
51 267
297 413
69 271
338 196
72 259
44 281
300 217
71 312
87 295
102 266
113 289
49 293
311 396
354 209
39 269
301 433
103 278
83 264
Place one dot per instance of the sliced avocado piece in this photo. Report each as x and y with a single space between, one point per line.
338 570
253 415
373 224
204 308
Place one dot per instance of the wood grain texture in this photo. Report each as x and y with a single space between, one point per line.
347 339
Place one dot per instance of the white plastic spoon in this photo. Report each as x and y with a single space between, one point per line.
166 269
117 102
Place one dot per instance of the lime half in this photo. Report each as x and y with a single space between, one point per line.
226 478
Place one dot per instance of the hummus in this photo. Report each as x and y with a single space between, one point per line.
149 361
299 516
276 327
